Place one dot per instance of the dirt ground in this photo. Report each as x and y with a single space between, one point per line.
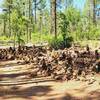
46 90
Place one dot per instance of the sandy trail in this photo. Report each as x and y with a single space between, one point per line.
72 90
51 90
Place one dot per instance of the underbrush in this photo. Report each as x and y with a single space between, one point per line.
92 43
60 42
5 40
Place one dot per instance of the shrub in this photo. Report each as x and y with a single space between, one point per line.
61 42
20 41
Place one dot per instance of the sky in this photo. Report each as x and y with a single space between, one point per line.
0 5
77 3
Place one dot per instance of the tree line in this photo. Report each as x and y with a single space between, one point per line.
21 19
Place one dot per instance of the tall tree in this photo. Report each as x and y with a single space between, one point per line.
8 6
30 19
35 10
94 11
53 18
5 20
9 11
90 10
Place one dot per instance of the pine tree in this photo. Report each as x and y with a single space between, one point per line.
53 18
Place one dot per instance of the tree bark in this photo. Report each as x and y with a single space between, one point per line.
94 14
9 22
9 8
35 5
4 30
53 18
30 18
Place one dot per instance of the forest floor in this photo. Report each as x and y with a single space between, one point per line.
15 85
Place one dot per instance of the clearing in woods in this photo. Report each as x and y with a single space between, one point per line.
16 85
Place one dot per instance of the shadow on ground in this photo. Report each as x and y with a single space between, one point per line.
44 91
94 95
26 93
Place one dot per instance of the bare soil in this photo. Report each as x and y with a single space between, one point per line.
44 90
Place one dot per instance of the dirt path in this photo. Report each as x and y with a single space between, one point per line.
49 90
71 90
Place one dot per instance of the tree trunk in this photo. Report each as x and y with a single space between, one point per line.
35 11
9 22
27 33
53 18
30 18
94 14
92 10
4 30
9 8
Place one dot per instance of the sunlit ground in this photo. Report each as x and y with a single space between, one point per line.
44 89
